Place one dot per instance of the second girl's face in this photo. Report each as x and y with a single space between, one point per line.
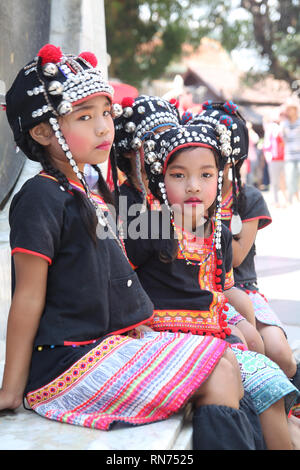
89 132
191 181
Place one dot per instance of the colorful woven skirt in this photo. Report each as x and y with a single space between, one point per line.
264 380
263 311
233 317
132 380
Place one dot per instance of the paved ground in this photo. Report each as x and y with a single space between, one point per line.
278 267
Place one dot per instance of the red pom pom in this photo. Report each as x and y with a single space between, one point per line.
50 53
90 58
219 271
219 262
227 331
174 102
226 308
127 101
218 280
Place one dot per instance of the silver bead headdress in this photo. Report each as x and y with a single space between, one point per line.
48 88
134 121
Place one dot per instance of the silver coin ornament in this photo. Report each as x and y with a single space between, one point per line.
149 145
50 70
130 127
117 110
136 143
236 224
156 168
150 158
65 107
55 88
127 112
226 150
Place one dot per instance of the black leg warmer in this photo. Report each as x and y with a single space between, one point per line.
296 380
221 428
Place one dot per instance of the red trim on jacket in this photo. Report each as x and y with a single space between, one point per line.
128 328
29 252
269 220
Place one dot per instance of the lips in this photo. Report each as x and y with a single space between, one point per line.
193 201
104 146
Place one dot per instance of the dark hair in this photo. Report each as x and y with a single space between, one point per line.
169 252
86 210
241 199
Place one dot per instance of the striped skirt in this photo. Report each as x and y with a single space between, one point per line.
132 380
233 317
263 311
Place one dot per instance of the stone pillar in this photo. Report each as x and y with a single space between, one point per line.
79 25
73 25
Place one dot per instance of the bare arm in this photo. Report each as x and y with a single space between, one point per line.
23 321
241 246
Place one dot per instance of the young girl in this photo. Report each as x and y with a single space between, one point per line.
241 312
184 274
245 212
75 346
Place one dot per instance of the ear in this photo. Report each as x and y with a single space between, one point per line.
42 133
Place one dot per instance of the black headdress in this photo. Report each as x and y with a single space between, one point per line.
47 88
135 119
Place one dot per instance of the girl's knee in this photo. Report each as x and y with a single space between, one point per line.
253 337
224 385
284 358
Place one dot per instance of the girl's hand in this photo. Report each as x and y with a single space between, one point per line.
144 328
9 401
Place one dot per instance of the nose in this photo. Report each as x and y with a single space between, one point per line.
101 127
193 185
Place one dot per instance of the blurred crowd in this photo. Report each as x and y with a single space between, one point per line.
274 160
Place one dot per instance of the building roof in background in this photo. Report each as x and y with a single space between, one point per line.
214 67
211 68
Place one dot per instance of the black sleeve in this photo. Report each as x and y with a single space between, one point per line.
255 207
138 241
36 218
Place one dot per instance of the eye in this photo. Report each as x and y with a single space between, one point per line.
108 112
208 174
85 117
177 175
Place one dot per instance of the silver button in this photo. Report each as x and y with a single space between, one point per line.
129 282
